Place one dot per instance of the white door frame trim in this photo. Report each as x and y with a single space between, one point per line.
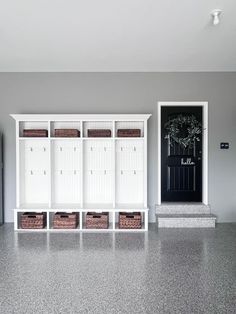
204 105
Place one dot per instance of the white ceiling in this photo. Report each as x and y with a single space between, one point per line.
121 35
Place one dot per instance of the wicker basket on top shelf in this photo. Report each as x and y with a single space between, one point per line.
35 133
67 133
129 133
99 133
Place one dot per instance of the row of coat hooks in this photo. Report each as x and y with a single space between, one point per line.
61 172
121 148
121 171
44 148
91 149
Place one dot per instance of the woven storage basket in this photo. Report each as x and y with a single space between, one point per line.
33 220
97 220
65 220
99 133
67 133
35 133
130 220
129 133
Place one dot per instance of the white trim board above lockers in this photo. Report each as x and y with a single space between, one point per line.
84 117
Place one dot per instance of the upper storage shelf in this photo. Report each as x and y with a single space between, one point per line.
33 129
129 129
97 129
65 129
81 126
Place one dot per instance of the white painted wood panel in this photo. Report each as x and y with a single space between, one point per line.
81 174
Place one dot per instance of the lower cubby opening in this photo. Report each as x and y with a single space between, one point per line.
68 220
129 220
82 220
32 220
99 220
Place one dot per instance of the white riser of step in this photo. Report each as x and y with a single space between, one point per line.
185 208
186 221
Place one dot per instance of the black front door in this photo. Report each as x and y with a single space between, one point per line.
181 164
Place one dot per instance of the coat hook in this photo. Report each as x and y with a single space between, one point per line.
44 172
61 149
91 171
31 149
61 172
121 172
91 148
134 171
74 149
44 149
135 148
121 149
31 172
74 171
105 172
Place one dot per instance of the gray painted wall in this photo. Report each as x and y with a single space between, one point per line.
129 93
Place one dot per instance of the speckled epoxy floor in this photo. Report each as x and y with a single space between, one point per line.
165 271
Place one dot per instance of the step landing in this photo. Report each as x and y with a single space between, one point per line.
183 208
184 215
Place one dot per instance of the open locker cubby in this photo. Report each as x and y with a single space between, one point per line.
97 125
129 172
32 125
54 125
98 175
83 174
129 125
66 173
34 173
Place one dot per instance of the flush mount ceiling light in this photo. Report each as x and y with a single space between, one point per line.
216 16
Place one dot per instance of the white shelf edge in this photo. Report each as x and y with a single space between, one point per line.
33 138
84 117
81 210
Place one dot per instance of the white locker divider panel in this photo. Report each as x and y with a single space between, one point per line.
66 172
34 172
98 171
129 171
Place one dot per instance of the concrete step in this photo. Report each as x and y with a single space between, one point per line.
186 220
182 208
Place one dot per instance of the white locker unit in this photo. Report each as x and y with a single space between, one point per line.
81 174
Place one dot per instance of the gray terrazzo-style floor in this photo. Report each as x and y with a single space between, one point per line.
162 271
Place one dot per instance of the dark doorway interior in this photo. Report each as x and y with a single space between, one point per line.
181 167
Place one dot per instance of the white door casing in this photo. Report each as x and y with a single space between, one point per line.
204 106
